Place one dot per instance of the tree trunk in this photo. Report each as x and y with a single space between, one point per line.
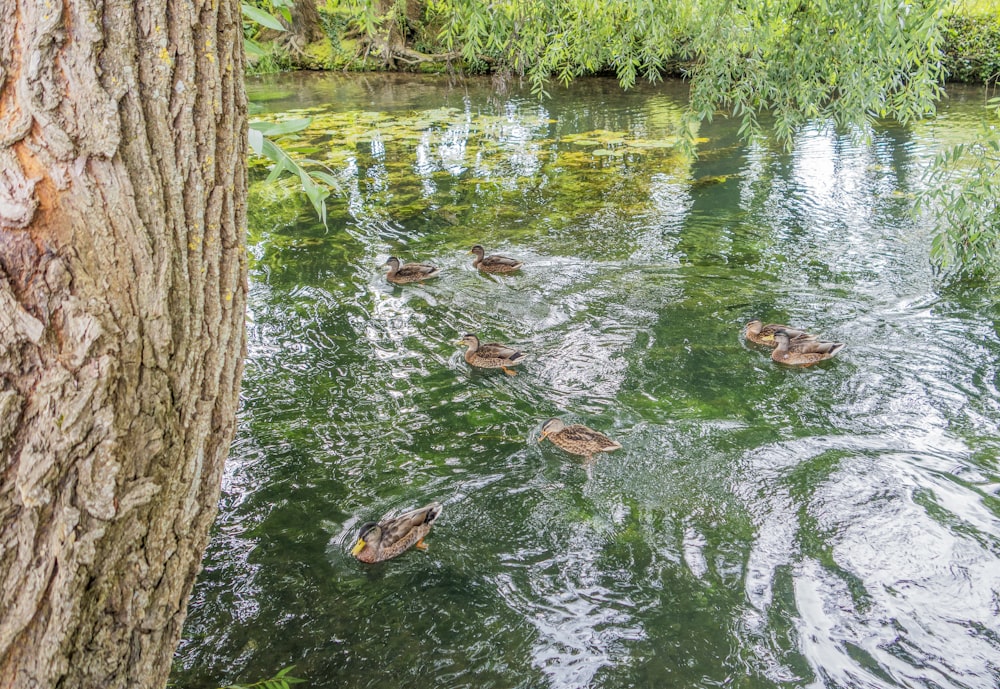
391 42
305 26
122 298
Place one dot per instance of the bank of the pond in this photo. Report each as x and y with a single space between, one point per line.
970 55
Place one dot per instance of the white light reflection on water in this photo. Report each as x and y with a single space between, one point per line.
835 528
909 564
879 547
581 625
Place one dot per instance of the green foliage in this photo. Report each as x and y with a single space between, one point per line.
783 62
335 21
341 49
263 17
974 7
972 47
847 60
267 58
274 140
963 194
571 178
282 680
568 38
263 56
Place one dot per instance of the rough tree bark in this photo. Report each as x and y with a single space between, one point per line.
305 26
400 23
391 42
122 297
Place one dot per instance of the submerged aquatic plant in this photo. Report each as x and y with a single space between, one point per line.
412 165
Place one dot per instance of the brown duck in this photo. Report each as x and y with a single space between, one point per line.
410 272
577 439
802 353
494 263
490 354
761 334
391 536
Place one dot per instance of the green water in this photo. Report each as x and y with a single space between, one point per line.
762 526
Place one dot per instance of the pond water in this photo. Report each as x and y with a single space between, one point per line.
762 526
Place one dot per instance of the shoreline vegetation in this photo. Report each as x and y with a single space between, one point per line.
403 37
846 62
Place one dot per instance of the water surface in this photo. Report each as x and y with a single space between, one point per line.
762 526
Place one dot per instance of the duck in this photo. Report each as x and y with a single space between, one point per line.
490 354
761 334
494 263
802 352
411 272
392 536
576 438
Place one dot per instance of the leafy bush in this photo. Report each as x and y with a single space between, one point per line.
963 195
972 47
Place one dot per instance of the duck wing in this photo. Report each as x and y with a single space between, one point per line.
497 261
399 528
799 335
578 433
417 270
814 346
495 350
793 333
766 335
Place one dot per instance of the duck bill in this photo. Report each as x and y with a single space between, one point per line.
358 547
543 436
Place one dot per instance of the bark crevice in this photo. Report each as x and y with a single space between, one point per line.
122 292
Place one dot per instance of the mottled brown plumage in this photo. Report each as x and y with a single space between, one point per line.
494 263
761 334
802 353
576 438
393 535
491 354
410 272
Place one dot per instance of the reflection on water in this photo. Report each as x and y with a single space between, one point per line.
761 527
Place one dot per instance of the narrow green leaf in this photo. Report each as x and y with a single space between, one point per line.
276 171
256 140
261 17
254 48
327 178
273 129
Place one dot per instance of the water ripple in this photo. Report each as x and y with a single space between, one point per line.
581 625
762 526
